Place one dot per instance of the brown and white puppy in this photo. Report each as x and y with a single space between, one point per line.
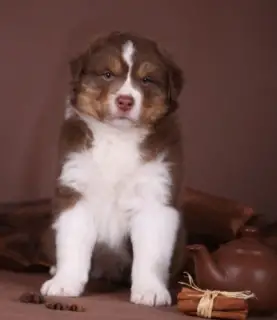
121 171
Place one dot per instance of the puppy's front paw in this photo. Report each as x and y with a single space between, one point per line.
151 295
63 287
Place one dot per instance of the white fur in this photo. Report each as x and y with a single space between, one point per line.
75 239
122 196
128 88
128 51
153 232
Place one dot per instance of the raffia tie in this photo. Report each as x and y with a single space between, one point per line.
205 305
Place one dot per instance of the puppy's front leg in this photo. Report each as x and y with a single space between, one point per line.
153 234
75 240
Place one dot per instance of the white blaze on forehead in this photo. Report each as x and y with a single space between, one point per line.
128 87
128 51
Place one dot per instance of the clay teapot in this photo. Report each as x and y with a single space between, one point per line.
242 264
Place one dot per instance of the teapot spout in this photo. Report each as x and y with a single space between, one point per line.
208 274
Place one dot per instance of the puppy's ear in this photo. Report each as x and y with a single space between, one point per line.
77 67
78 64
175 80
175 83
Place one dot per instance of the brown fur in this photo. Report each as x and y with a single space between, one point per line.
90 90
145 68
65 198
89 95
93 102
74 137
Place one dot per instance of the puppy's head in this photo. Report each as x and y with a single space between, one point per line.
125 80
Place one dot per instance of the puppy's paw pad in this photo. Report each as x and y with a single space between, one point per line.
151 296
63 287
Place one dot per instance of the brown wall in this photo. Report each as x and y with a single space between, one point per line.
227 49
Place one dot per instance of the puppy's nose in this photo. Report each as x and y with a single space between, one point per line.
125 102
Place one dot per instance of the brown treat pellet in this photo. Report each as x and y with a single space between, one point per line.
64 307
56 306
76 308
32 297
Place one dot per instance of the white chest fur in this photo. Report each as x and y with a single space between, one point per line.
104 175
121 195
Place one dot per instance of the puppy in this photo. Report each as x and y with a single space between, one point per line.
120 188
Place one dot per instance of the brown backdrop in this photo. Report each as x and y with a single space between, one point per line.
227 49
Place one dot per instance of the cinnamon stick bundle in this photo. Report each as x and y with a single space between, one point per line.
223 307
220 304
188 300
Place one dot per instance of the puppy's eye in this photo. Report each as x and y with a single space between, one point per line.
107 75
147 80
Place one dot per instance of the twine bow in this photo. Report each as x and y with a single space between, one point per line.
205 305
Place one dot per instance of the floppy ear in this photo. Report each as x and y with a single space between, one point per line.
78 64
175 84
175 80
76 67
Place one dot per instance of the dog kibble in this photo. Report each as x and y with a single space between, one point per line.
32 297
64 307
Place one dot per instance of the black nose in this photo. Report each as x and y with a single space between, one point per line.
125 102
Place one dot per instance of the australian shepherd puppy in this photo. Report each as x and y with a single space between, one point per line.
120 189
